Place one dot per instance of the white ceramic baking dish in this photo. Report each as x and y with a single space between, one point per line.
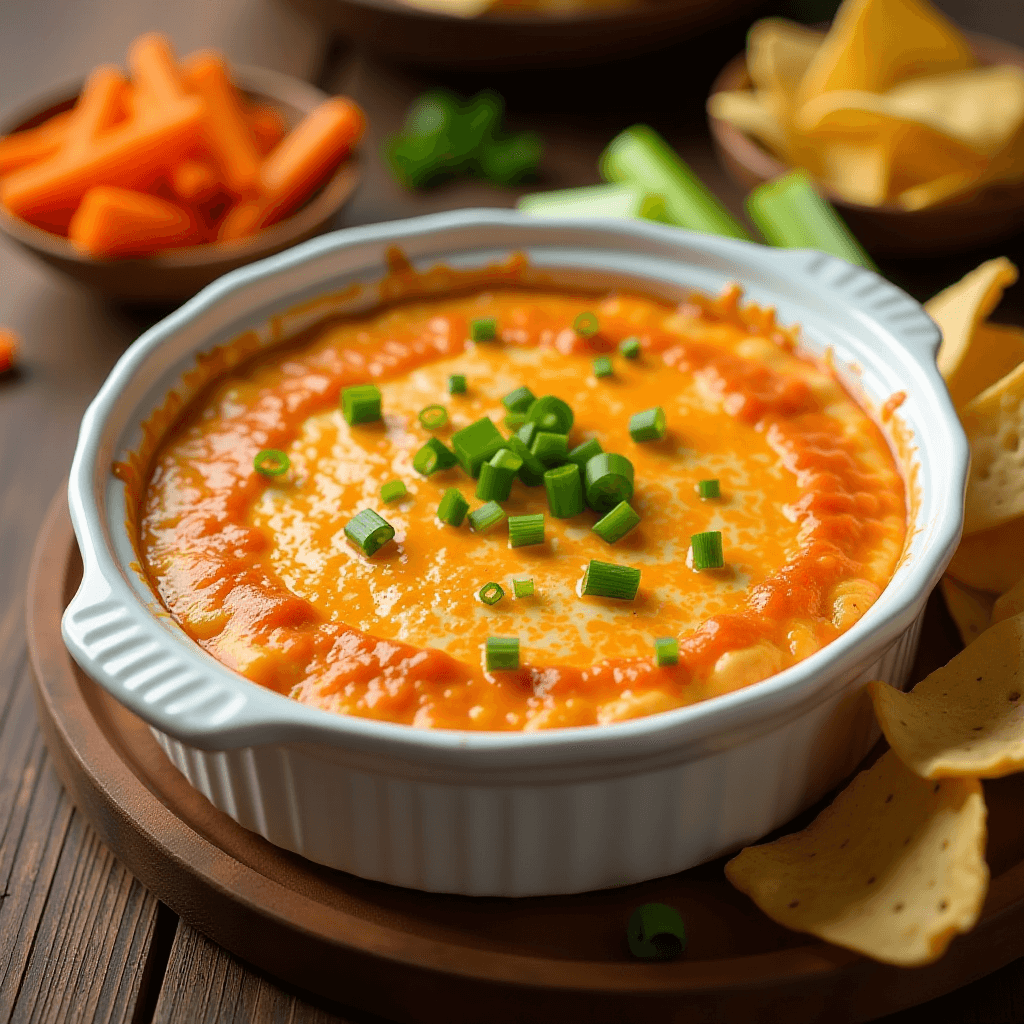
515 814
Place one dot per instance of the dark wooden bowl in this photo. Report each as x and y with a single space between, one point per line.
177 274
503 39
965 223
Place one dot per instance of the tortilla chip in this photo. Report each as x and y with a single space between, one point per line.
456 8
779 53
971 610
994 350
875 44
940 190
1011 603
755 114
991 560
982 108
967 718
858 171
893 869
994 424
914 153
960 308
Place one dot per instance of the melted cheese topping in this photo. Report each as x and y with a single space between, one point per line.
812 515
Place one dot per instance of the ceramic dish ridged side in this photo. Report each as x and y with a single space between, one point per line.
523 813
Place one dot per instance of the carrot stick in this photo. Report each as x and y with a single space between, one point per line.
33 144
8 348
116 222
225 130
267 126
297 165
321 140
154 73
242 220
195 180
128 155
98 105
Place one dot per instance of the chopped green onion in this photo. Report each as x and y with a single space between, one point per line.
640 156
602 366
486 516
453 507
369 532
532 471
432 457
502 653
496 476
619 201
526 431
433 417
648 425
552 414
707 550
583 453
361 404
523 588
514 420
617 523
656 932
491 593
392 491
586 325
550 449
606 579
565 491
609 480
792 215
457 384
519 400
271 462
666 651
512 160
708 489
484 329
524 531
630 348
475 444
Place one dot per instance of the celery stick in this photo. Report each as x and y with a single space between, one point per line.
640 156
623 201
791 215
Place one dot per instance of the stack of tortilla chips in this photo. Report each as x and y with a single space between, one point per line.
889 107
895 867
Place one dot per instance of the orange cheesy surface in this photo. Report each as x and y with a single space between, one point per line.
259 572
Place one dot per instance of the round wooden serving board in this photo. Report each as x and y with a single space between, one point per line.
416 957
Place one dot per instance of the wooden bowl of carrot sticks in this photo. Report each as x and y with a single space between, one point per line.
148 186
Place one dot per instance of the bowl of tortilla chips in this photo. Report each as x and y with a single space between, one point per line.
911 128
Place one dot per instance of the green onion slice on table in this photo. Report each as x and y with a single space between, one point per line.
496 476
666 651
656 932
630 348
483 329
475 444
709 489
551 414
523 588
491 593
457 384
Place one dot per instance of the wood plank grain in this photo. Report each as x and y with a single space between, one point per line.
204 984
75 928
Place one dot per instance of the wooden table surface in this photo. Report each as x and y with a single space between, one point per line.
80 939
